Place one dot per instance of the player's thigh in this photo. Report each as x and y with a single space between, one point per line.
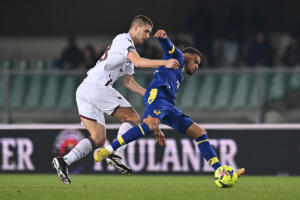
178 121
116 105
195 131
92 119
96 130
126 113
106 99
89 111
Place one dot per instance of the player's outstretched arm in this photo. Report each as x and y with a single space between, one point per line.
160 34
138 61
132 85
164 41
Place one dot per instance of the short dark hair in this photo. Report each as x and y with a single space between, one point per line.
141 20
192 50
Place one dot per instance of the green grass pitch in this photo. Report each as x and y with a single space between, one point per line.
117 187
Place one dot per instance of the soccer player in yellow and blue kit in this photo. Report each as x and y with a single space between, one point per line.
159 100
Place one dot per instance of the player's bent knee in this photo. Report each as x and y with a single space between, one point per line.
195 131
99 141
133 117
149 124
202 131
154 127
152 123
136 119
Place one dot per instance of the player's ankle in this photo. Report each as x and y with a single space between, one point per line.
109 149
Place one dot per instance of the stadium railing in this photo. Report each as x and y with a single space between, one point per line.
37 89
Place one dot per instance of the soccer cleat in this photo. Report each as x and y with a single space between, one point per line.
62 169
100 154
116 161
240 172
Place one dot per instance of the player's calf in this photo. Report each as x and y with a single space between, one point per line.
204 145
133 134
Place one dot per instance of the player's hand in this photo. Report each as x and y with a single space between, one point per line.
161 33
160 137
172 64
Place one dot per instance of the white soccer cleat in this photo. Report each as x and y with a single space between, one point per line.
117 162
62 169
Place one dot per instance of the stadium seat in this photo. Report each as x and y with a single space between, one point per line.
266 79
205 98
50 95
67 93
2 90
224 91
23 65
278 86
19 83
241 90
7 64
188 91
294 81
41 64
32 100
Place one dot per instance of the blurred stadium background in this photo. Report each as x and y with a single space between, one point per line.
250 74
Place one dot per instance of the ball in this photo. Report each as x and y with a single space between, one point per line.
225 177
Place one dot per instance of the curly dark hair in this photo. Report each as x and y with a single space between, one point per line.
192 50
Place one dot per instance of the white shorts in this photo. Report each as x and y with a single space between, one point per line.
94 100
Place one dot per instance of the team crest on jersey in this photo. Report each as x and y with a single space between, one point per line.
157 112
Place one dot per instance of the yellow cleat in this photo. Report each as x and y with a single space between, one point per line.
240 172
100 154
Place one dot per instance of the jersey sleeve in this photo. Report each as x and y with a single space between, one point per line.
117 55
167 45
129 69
124 45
